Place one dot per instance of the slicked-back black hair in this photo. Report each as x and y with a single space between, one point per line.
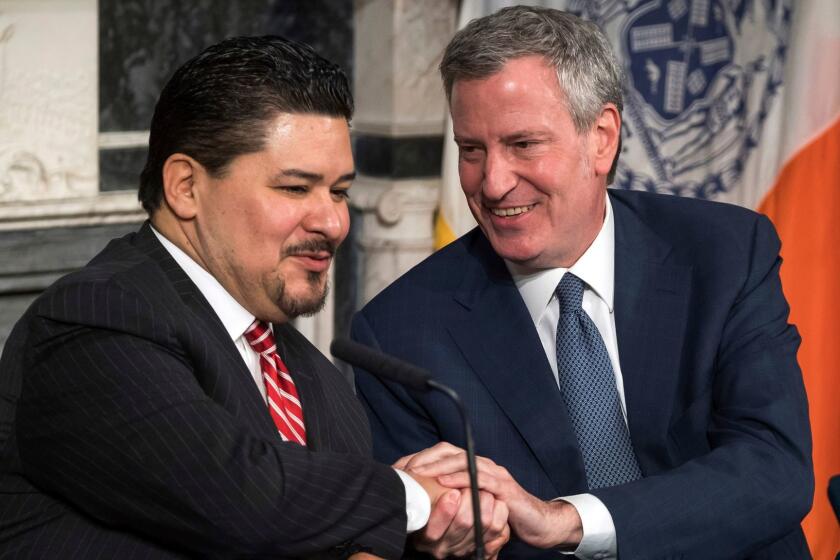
217 105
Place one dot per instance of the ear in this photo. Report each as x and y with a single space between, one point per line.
605 136
180 173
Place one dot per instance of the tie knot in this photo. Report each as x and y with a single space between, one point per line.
569 293
260 338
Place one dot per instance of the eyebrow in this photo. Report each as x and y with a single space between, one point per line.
313 177
519 135
513 137
464 140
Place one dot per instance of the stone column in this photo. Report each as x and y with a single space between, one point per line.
398 131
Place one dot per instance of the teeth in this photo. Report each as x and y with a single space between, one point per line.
511 211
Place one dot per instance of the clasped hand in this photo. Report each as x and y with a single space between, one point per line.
505 506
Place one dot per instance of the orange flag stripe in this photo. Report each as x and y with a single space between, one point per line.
804 205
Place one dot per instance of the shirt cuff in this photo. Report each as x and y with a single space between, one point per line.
418 506
598 542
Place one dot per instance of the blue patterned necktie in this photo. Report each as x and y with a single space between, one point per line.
587 382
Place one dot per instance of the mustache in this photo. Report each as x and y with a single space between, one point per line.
311 246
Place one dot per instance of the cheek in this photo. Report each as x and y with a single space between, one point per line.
250 216
553 178
547 171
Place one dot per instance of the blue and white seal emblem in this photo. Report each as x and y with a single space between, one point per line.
701 78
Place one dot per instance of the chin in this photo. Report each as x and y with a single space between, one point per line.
514 252
304 302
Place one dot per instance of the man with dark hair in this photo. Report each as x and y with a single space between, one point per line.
625 352
157 403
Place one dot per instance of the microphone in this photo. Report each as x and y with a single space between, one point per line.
390 368
380 364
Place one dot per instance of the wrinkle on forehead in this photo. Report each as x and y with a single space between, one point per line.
522 97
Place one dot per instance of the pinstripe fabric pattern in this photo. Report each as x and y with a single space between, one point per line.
134 430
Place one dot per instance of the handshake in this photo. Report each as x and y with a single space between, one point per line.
506 508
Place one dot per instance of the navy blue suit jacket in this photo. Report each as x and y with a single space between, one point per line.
715 401
131 428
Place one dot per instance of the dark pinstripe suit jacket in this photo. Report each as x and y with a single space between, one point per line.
131 428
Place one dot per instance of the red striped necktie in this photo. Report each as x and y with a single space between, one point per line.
282 396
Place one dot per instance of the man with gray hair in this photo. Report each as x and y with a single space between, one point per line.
625 357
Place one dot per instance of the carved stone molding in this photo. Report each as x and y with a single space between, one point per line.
396 227
106 208
48 100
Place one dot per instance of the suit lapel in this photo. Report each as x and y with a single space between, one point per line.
499 340
231 384
651 308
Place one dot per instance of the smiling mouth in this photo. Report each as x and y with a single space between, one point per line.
515 211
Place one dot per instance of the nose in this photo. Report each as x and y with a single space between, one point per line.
327 216
499 176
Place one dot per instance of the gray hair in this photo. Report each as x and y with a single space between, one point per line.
587 70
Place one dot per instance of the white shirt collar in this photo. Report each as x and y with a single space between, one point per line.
235 318
595 267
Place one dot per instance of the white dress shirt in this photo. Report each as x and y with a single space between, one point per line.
596 267
236 320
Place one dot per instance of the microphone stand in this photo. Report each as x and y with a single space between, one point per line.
471 468
393 369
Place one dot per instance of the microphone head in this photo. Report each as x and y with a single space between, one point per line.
380 364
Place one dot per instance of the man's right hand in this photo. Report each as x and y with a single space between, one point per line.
449 531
